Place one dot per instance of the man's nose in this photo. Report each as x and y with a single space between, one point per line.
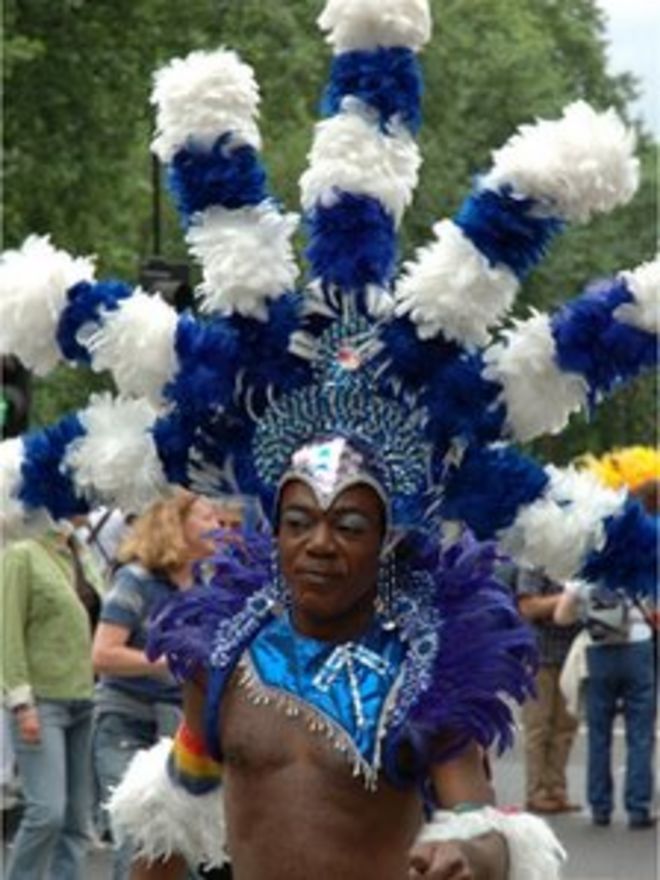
322 539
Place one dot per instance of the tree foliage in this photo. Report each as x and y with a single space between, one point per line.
77 76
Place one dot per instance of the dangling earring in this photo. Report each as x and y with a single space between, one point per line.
281 593
386 587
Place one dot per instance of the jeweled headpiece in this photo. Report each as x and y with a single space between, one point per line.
330 466
408 364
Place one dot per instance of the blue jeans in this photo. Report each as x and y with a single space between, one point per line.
621 676
117 737
53 836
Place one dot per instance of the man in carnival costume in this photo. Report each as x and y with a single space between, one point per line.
343 685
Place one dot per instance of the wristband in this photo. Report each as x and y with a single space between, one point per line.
534 851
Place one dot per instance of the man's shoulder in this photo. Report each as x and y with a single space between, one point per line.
135 577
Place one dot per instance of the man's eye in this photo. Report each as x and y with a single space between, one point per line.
352 524
296 520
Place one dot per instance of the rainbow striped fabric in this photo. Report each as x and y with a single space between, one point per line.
189 764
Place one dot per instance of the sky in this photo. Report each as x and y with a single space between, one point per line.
633 31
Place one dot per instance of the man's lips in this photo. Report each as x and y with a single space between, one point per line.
317 576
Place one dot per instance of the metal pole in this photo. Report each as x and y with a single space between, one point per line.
155 192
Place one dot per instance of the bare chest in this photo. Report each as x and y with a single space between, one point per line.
289 791
259 737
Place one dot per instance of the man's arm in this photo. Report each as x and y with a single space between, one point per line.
533 604
169 804
15 582
174 867
469 839
566 611
536 608
462 784
112 655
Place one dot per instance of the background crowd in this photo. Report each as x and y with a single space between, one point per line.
81 697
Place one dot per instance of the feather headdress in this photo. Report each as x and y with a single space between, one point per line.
409 363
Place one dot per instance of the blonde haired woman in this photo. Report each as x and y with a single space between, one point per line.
138 701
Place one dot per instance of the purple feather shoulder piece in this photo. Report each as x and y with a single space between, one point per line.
186 629
470 654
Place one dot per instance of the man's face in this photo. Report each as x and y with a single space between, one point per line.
329 559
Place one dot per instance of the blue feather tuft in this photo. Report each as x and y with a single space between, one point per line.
590 341
487 488
174 435
208 356
410 357
227 437
263 348
206 421
628 560
230 174
85 301
461 403
44 482
388 80
352 243
503 227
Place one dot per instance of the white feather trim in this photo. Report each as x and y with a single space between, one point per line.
116 461
136 343
160 818
539 397
559 530
33 285
16 521
11 509
380 302
246 256
201 97
452 288
352 154
576 166
367 24
535 853
644 284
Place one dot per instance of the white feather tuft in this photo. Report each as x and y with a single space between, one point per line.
350 153
159 818
452 288
201 97
538 395
576 166
33 285
368 24
16 520
558 531
644 284
11 509
136 343
246 255
534 851
116 462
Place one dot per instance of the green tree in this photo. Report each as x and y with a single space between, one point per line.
77 76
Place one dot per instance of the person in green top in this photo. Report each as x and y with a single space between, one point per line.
47 681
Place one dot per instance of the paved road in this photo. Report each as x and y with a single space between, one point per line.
613 853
